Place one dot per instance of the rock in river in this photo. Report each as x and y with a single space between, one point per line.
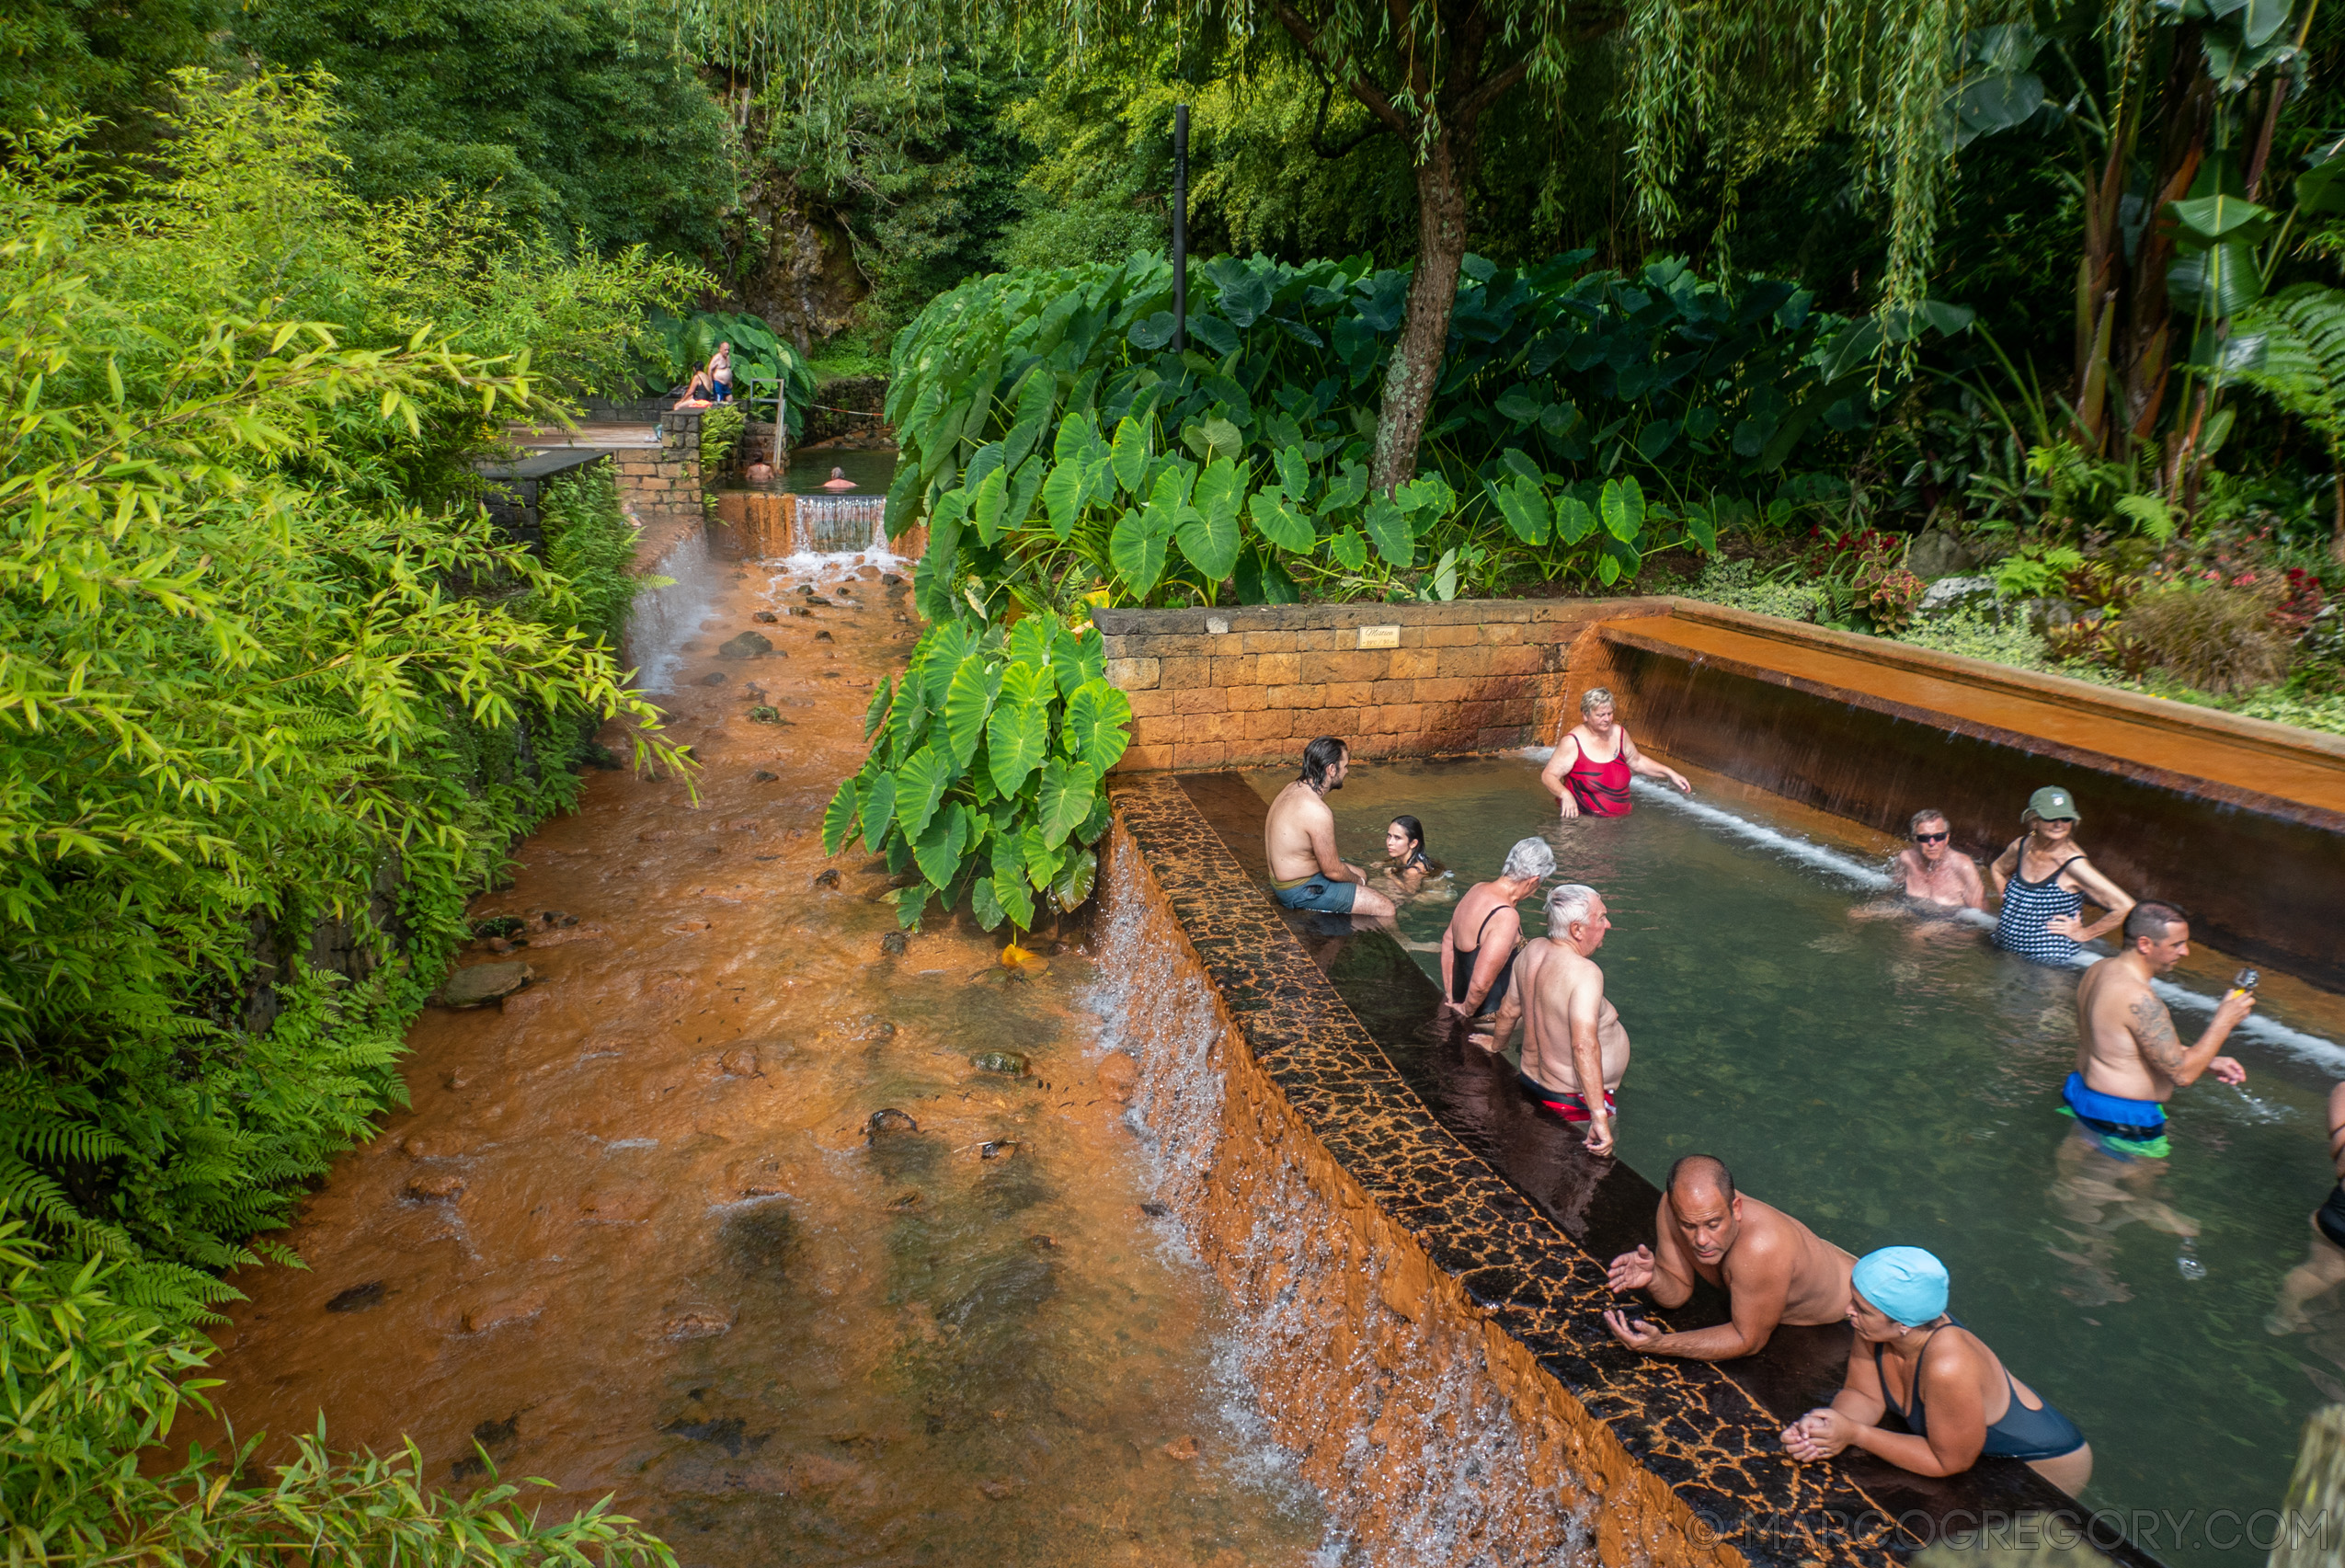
748 644
478 984
1009 1062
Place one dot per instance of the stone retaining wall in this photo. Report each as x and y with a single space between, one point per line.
663 485
1226 688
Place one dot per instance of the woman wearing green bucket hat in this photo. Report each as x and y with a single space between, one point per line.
2044 878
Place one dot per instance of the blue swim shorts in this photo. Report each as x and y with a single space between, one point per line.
2131 1129
1319 894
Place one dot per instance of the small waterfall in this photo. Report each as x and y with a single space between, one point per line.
832 525
665 617
1424 1467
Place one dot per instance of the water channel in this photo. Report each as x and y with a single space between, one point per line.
744 1216
1891 1081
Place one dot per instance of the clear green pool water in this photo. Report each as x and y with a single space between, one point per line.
1890 1082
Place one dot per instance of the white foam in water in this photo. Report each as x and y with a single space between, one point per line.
2321 1052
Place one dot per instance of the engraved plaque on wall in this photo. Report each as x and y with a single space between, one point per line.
1380 637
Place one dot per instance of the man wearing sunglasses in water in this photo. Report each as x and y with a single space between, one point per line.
1934 872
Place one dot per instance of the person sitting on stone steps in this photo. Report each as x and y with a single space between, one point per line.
1773 1269
1298 840
1959 1403
1477 950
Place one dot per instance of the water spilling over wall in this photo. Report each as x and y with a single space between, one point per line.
1434 1436
665 617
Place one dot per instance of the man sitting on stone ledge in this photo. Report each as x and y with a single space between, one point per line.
1774 1269
1298 836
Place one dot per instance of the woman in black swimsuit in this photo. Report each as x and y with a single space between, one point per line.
1404 850
1957 1400
2324 1270
1477 950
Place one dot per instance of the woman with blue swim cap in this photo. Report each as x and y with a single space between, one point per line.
1956 1399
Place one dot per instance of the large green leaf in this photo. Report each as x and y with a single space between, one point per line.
1068 788
1008 881
1136 549
1622 507
1522 405
938 850
988 502
1074 881
1295 474
1350 549
1127 459
2219 282
1043 859
1388 525
1030 642
948 643
1036 399
2210 219
1210 536
878 809
920 784
1098 724
839 816
967 700
1077 658
1062 499
1573 519
1524 507
1278 521
1015 738
876 711
985 903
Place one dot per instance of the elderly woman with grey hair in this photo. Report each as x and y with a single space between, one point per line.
1589 774
1477 950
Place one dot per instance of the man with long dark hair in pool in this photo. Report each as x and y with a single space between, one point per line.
1477 950
2129 1060
1958 1401
1773 1269
1574 1050
1298 840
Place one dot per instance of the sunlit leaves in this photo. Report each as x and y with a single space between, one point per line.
878 807
839 816
1280 522
1098 724
1067 787
938 849
968 698
920 784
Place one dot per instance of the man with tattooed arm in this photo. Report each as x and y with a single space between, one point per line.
2129 1060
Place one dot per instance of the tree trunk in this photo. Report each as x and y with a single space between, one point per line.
1415 369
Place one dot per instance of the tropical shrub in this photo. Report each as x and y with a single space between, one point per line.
1583 420
987 769
2218 637
682 344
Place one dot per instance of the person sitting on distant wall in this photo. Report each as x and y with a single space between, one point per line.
2044 879
1773 1269
1957 1400
715 379
1589 774
1299 841
1932 871
1477 975
839 481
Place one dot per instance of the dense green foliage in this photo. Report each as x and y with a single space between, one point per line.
1057 448
553 110
988 771
275 698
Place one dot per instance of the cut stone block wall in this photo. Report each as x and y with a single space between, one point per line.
662 485
1227 688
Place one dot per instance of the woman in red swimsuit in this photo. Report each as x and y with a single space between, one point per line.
1590 771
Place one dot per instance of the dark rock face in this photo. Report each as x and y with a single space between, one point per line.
890 1120
826 879
748 644
765 617
893 944
715 678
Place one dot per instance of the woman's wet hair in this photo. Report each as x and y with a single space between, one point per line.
1319 758
1596 698
1415 829
1530 857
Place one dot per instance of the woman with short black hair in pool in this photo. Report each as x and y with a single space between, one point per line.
1957 1400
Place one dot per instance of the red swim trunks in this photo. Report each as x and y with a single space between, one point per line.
1571 1108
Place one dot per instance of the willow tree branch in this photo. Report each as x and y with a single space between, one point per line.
1307 39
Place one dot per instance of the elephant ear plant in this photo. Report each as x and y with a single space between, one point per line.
987 769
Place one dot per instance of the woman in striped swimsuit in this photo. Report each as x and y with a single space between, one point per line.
2044 878
1589 773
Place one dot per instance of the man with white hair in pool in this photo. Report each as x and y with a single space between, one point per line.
1773 1269
1573 1038
1478 974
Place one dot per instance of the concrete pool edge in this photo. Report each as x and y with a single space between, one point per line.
1668 1462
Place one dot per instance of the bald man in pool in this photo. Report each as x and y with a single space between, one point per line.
1773 1269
